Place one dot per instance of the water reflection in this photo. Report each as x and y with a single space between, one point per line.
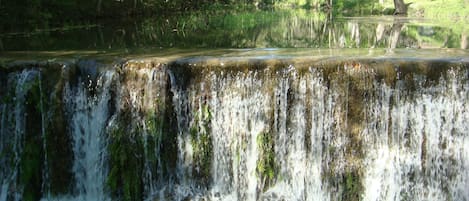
260 29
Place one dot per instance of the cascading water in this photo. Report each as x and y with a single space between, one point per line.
143 96
89 115
422 152
300 158
186 130
344 135
218 142
13 131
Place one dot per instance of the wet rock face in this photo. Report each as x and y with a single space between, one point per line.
233 128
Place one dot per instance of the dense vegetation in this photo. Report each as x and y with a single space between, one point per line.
44 14
36 14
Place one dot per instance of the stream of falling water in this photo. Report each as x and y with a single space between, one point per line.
422 154
89 116
13 126
240 110
233 133
414 144
262 135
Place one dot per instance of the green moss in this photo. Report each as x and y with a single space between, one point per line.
353 188
6 99
133 146
126 161
266 166
201 141
32 157
161 145
154 138
154 124
31 169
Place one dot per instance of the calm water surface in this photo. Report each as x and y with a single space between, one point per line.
260 29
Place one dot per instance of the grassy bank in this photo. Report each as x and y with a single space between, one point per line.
436 9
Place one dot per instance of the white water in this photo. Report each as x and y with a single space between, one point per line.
233 132
423 154
4 173
415 142
241 106
89 115
4 192
300 170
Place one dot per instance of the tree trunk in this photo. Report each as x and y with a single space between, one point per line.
464 43
395 33
380 31
98 7
401 7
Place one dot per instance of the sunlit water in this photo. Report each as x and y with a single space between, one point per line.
412 144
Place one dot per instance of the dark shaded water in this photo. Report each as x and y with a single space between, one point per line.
260 29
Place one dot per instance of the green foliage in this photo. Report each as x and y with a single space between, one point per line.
40 14
44 14
223 28
450 10
356 8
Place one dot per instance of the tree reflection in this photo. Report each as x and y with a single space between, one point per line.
395 34
243 29
464 43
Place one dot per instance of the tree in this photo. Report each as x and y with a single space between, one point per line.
400 7
98 7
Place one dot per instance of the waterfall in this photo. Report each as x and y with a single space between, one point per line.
195 129
13 129
143 95
422 152
338 136
217 127
89 115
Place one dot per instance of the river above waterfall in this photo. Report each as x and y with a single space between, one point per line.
253 29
